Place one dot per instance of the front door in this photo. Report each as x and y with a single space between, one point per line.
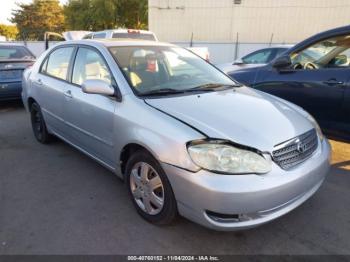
90 117
316 81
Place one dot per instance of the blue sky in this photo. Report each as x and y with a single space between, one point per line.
8 5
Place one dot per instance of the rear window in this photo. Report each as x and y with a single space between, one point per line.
134 35
15 52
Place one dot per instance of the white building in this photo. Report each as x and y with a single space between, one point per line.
218 24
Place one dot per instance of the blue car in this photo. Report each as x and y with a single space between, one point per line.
314 74
13 60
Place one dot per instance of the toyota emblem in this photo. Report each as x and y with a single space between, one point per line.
301 147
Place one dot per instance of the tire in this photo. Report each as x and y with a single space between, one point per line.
147 184
38 124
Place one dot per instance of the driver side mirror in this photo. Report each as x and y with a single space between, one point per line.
238 62
282 62
97 86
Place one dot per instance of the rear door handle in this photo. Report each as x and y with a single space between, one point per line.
333 82
68 94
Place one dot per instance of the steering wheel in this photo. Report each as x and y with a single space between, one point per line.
309 65
298 66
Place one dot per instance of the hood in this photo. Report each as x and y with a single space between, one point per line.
243 115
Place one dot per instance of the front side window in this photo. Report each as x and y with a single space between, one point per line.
58 62
258 57
90 65
332 52
166 68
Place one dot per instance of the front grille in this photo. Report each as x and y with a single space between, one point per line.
296 150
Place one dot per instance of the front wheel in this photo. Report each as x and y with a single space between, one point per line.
150 189
38 124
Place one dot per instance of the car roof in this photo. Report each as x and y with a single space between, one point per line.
107 42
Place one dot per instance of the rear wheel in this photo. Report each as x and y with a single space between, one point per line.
150 189
38 124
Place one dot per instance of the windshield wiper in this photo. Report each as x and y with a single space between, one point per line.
211 87
172 91
163 91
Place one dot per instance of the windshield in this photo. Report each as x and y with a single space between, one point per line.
308 55
152 69
328 53
15 53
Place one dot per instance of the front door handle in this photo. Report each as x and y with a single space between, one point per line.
333 82
39 82
68 94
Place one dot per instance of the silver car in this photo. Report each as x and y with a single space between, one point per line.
185 138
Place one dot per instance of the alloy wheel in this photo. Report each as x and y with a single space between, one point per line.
147 188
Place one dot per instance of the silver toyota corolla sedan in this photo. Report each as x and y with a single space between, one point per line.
185 138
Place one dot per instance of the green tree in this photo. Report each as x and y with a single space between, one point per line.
35 18
95 15
78 15
133 14
9 31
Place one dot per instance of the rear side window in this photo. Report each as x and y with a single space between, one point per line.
89 36
258 57
90 65
57 63
100 35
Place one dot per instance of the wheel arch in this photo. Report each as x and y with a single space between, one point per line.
128 150
30 101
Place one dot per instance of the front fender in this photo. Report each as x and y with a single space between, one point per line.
162 135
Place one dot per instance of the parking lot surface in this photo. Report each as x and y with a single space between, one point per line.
55 200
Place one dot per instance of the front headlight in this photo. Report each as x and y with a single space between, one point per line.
223 158
317 127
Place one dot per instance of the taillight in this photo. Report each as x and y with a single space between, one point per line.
131 31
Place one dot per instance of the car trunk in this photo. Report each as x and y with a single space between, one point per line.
11 70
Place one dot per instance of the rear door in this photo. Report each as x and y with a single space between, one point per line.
90 117
51 82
